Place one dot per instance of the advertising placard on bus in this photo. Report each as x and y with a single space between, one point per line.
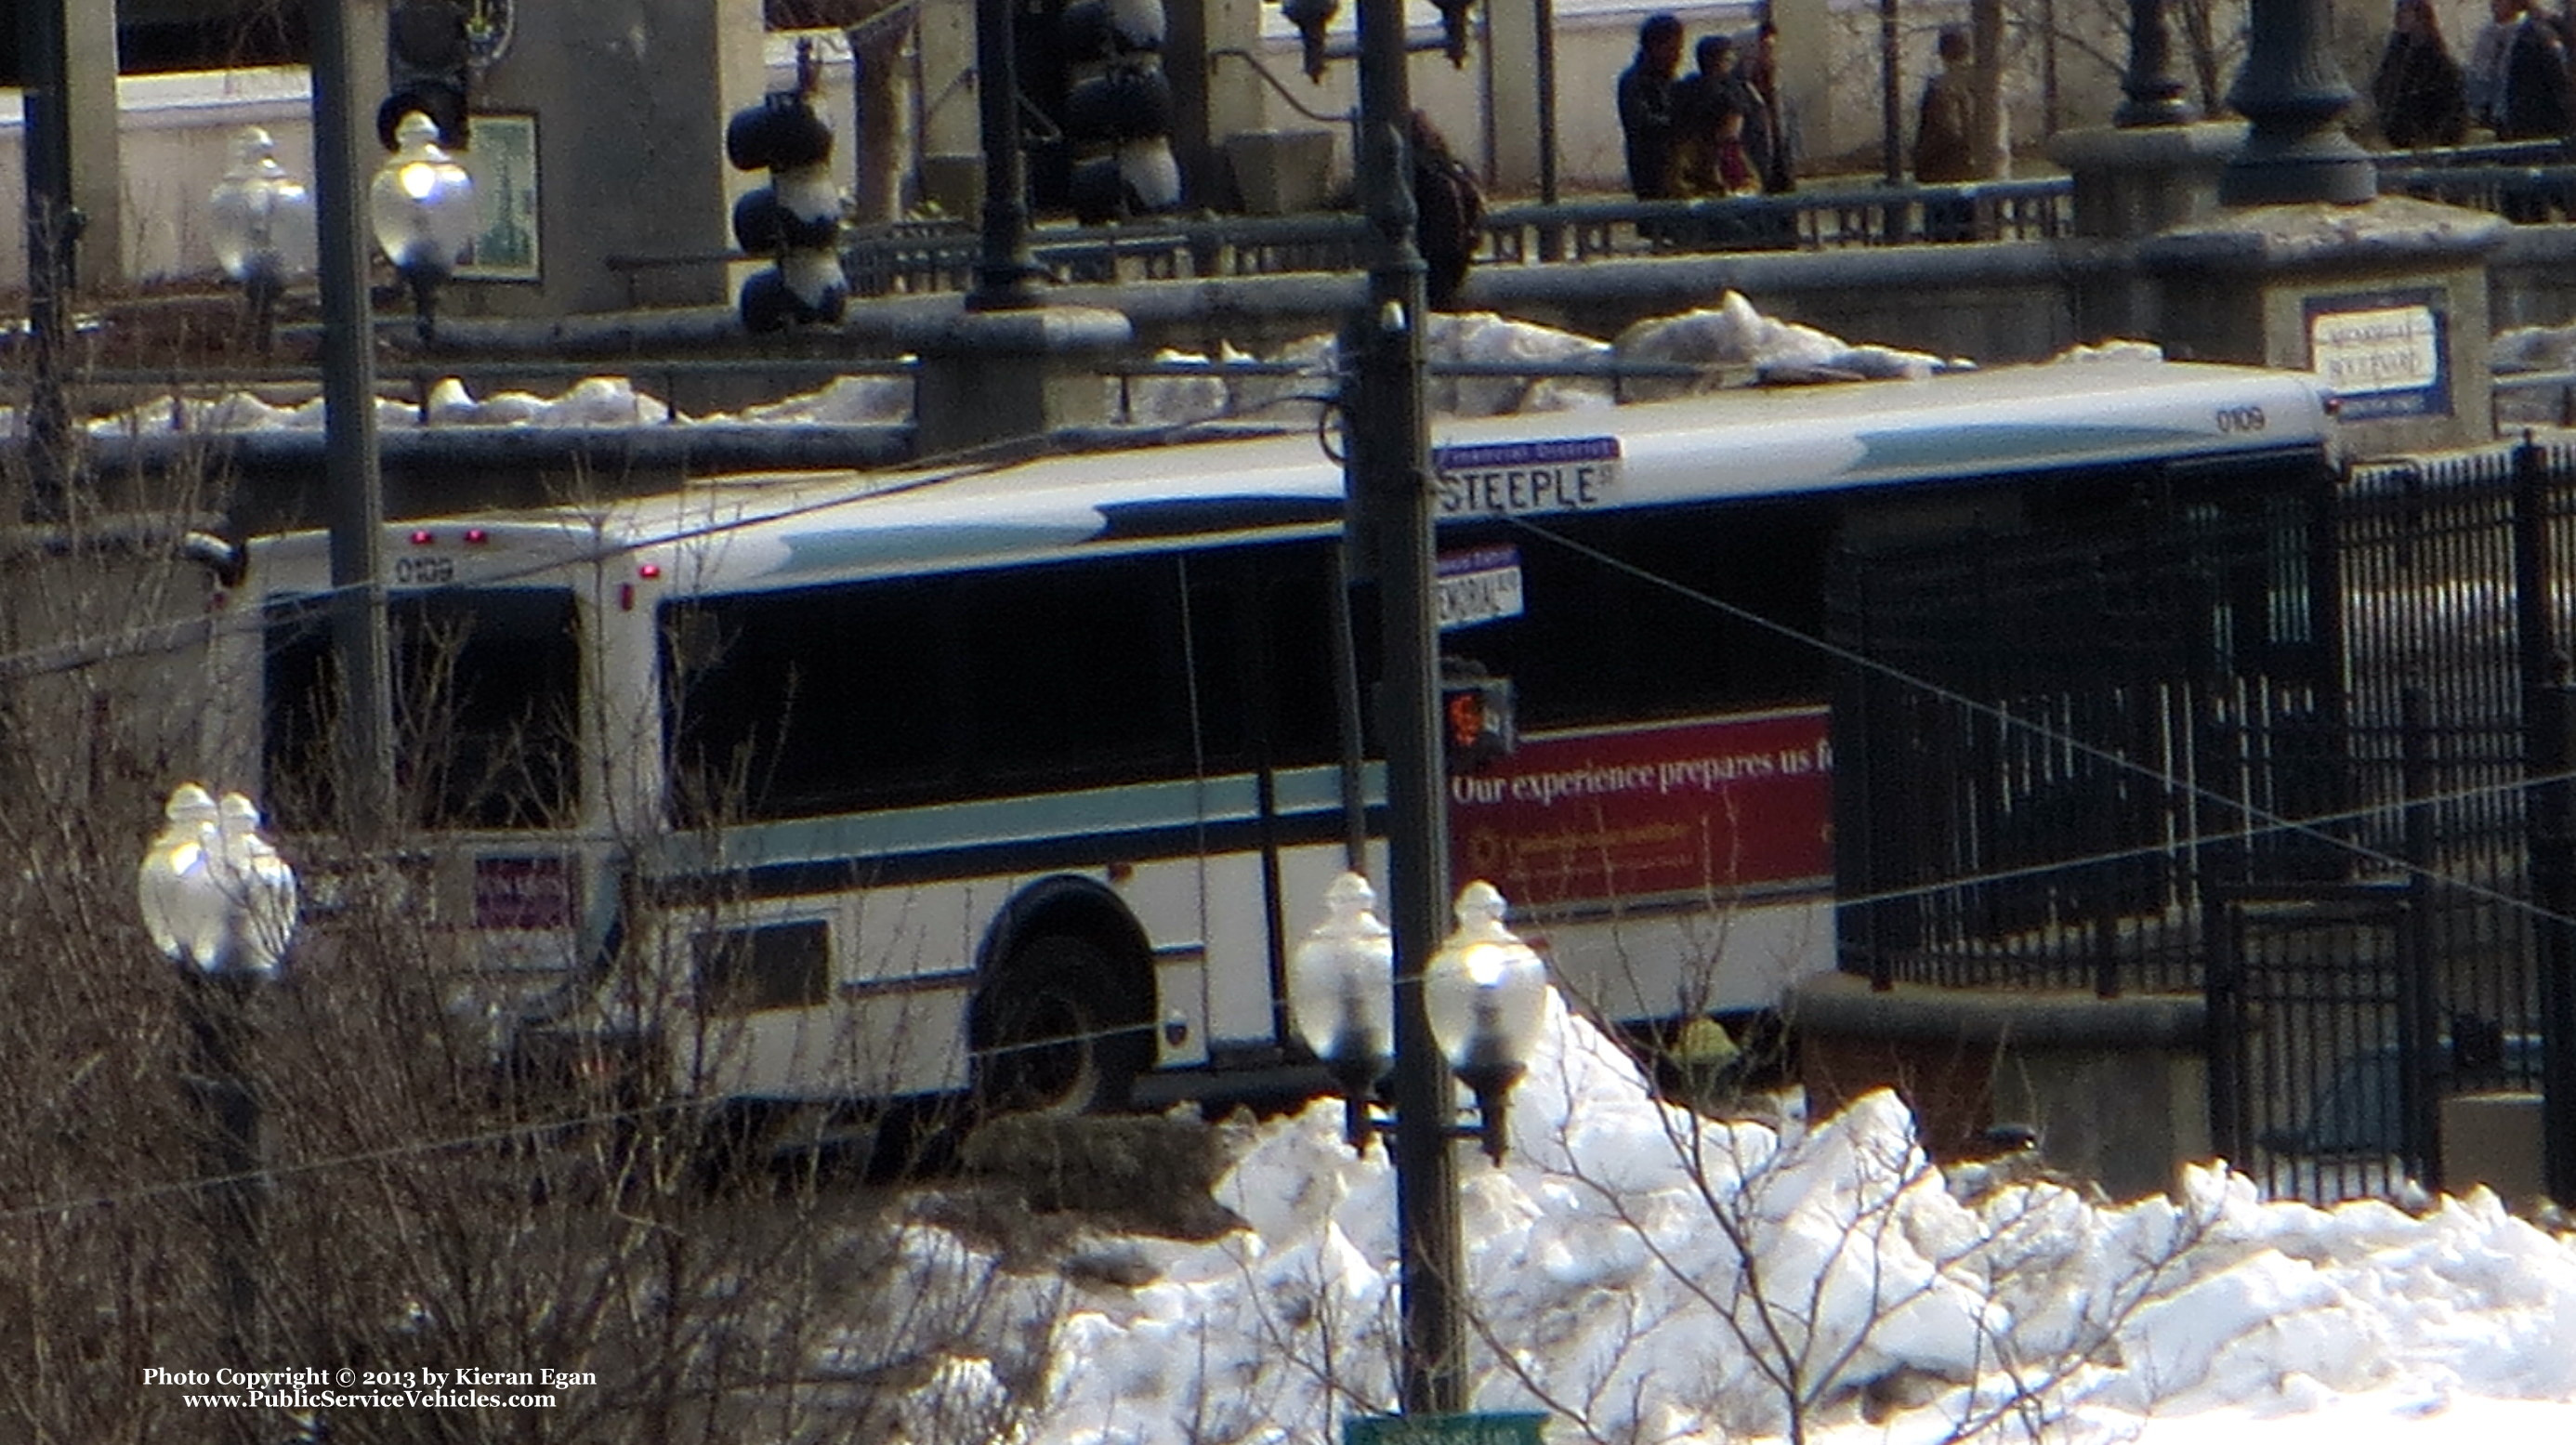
1723 804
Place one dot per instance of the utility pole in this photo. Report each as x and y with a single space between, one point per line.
1389 469
356 499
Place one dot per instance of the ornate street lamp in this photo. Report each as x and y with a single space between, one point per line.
423 209
1484 992
264 229
1341 983
220 904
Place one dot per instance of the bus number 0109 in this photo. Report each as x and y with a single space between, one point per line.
424 571
2235 419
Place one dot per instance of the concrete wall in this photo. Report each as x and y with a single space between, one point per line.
2117 1089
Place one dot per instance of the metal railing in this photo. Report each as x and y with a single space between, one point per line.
2521 180
940 256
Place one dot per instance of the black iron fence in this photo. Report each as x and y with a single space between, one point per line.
2308 754
2526 181
2053 737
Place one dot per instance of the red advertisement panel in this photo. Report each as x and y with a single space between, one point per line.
1712 805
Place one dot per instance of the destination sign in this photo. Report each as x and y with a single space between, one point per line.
1510 478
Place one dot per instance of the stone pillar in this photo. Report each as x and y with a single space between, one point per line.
1808 47
2117 1089
98 170
952 165
1212 96
2387 300
630 99
2131 184
1512 96
992 377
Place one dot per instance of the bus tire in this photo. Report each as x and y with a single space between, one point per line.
1051 1041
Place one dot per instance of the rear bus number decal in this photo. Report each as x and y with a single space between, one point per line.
424 571
2240 418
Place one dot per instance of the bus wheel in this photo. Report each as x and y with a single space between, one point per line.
1050 1040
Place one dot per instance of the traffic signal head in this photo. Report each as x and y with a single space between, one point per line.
425 63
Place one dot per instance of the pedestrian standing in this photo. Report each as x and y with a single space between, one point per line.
1449 212
1701 102
2517 83
1770 141
1945 127
1945 140
2418 89
1646 109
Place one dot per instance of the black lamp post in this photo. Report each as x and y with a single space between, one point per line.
2293 97
1004 271
2154 96
1388 464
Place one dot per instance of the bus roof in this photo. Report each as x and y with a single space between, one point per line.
778 530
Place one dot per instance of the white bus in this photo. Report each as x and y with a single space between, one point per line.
1025 780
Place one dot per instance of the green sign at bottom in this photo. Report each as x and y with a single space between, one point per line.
1507 1428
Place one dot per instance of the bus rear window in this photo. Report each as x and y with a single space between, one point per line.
487 690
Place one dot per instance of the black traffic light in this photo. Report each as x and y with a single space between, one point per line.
796 218
1118 112
1477 722
425 64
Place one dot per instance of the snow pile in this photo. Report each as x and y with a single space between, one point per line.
2110 351
1479 337
2530 349
1734 340
1661 1277
598 401
844 401
1732 344
1177 400
2533 348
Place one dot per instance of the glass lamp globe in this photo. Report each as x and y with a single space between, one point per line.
422 203
1485 993
1341 982
262 218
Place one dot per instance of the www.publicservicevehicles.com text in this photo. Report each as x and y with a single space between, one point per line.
462 1388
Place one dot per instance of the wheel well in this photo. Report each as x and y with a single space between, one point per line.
1079 908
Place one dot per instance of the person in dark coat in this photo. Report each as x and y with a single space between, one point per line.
1646 109
2418 88
2519 86
1945 140
1449 212
1945 126
1702 102
1768 139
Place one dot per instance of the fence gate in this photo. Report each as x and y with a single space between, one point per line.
2322 1056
